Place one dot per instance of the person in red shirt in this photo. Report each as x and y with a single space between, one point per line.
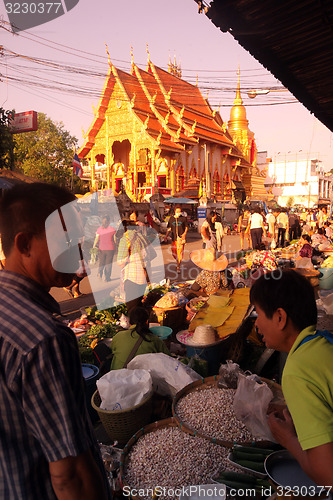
105 241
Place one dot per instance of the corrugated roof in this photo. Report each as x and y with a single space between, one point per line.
292 39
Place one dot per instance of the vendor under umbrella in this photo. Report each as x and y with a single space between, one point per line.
210 279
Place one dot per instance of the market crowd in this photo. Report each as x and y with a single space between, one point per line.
48 446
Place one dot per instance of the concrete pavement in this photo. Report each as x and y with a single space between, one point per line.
188 271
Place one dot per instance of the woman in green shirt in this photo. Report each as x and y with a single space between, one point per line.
123 342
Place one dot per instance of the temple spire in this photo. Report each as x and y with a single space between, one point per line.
132 60
107 51
148 58
238 120
238 99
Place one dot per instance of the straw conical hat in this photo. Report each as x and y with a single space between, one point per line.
206 260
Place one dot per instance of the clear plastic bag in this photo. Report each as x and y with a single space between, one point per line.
228 375
251 403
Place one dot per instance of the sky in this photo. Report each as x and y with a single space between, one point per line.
59 68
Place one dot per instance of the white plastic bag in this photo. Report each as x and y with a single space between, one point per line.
122 389
169 375
251 404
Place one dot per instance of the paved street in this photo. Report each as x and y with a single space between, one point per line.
71 307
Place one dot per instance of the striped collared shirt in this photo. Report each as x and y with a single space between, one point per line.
42 398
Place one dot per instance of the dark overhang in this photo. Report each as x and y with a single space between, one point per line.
292 39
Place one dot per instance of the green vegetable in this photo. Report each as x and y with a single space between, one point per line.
239 485
111 314
254 457
253 449
236 476
256 466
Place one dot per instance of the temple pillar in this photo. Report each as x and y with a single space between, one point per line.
173 177
152 169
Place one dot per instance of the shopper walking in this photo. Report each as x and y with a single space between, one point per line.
256 227
178 228
105 242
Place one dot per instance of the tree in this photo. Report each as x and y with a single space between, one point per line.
46 154
6 139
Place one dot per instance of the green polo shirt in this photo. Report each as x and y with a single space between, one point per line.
123 343
307 384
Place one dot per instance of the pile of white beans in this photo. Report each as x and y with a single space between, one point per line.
170 458
210 412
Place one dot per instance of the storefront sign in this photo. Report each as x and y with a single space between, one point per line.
202 213
24 122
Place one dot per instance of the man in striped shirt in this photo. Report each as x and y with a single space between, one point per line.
47 445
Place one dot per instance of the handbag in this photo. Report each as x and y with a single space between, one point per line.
180 239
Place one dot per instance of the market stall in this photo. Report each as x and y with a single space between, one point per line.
208 441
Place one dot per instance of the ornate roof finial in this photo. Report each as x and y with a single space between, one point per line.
132 58
107 51
196 82
207 94
238 98
148 58
133 100
170 64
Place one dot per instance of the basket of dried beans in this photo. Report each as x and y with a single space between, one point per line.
204 409
162 454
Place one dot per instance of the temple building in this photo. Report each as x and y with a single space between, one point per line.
153 131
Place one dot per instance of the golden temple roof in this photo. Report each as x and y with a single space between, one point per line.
173 111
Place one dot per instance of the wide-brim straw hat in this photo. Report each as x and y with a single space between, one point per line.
203 336
206 260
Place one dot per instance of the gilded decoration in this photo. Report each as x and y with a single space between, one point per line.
141 123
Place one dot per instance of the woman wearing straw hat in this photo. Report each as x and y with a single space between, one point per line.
210 278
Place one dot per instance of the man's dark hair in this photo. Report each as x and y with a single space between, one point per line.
25 208
287 290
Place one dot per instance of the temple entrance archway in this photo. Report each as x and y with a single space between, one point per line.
121 152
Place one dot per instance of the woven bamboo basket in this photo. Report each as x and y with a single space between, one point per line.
120 425
212 382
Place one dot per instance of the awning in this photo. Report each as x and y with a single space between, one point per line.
237 185
180 201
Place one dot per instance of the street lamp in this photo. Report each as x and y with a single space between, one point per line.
254 92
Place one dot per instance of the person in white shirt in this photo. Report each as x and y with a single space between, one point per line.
283 227
270 218
256 227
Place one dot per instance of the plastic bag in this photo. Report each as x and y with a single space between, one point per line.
169 375
251 403
124 322
122 389
228 375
